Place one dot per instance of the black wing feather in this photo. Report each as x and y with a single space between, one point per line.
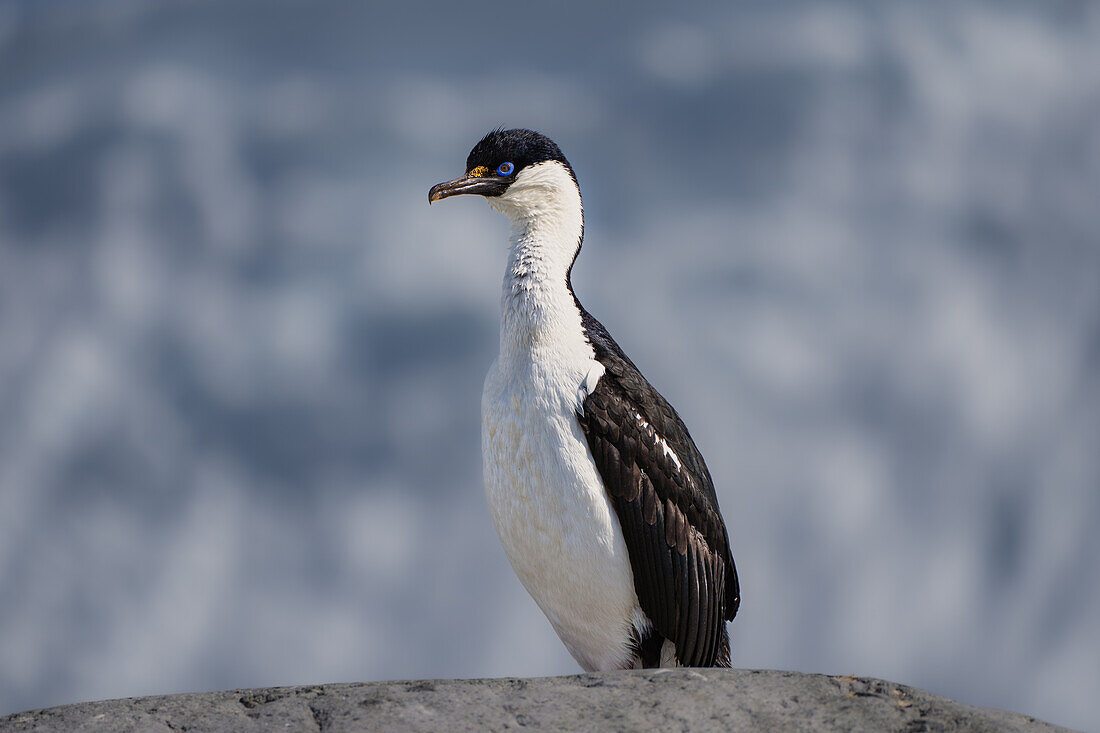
683 569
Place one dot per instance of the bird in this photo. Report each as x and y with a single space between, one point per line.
599 496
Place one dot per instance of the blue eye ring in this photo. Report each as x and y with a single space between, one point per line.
505 169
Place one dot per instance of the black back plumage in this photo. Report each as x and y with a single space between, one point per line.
684 573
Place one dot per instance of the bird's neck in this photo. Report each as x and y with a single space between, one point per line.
538 310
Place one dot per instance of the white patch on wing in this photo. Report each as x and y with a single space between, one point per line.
661 442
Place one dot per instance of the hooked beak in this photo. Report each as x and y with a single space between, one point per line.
481 185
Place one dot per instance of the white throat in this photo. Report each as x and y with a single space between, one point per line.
537 309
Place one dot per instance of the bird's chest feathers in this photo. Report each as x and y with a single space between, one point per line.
550 509
545 496
541 483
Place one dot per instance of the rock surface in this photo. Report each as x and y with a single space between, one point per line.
683 699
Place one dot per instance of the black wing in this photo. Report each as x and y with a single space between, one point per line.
683 569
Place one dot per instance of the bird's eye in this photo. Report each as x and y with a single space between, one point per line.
505 169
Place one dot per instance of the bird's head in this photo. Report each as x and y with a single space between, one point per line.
520 172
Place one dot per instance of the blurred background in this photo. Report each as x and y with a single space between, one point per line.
241 359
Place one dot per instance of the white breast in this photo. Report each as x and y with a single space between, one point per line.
551 512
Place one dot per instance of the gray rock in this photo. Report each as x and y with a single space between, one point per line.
683 699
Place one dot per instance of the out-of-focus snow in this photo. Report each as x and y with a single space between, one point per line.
856 244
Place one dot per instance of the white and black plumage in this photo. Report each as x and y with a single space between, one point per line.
603 503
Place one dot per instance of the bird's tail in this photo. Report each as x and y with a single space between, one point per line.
723 658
